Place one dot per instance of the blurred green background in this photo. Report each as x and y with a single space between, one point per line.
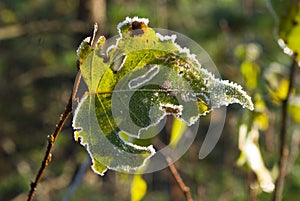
38 42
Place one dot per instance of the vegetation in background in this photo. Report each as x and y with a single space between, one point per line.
38 40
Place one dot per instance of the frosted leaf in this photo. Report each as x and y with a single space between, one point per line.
129 83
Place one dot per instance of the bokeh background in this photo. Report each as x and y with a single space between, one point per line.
38 43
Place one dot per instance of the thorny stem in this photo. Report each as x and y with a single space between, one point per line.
284 149
48 156
185 189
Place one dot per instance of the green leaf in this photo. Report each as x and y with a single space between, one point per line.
289 27
130 83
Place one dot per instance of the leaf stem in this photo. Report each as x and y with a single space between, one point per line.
185 189
51 139
284 149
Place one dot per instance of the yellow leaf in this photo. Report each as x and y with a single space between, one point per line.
250 72
261 120
178 129
289 29
138 188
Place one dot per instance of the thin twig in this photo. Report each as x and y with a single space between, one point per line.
48 156
185 189
63 118
284 149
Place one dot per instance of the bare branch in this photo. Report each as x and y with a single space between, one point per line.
48 155
185 189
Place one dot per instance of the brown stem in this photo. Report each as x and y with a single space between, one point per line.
48 156
185 189
63 118
284 150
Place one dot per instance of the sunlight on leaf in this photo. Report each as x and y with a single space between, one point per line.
251 155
